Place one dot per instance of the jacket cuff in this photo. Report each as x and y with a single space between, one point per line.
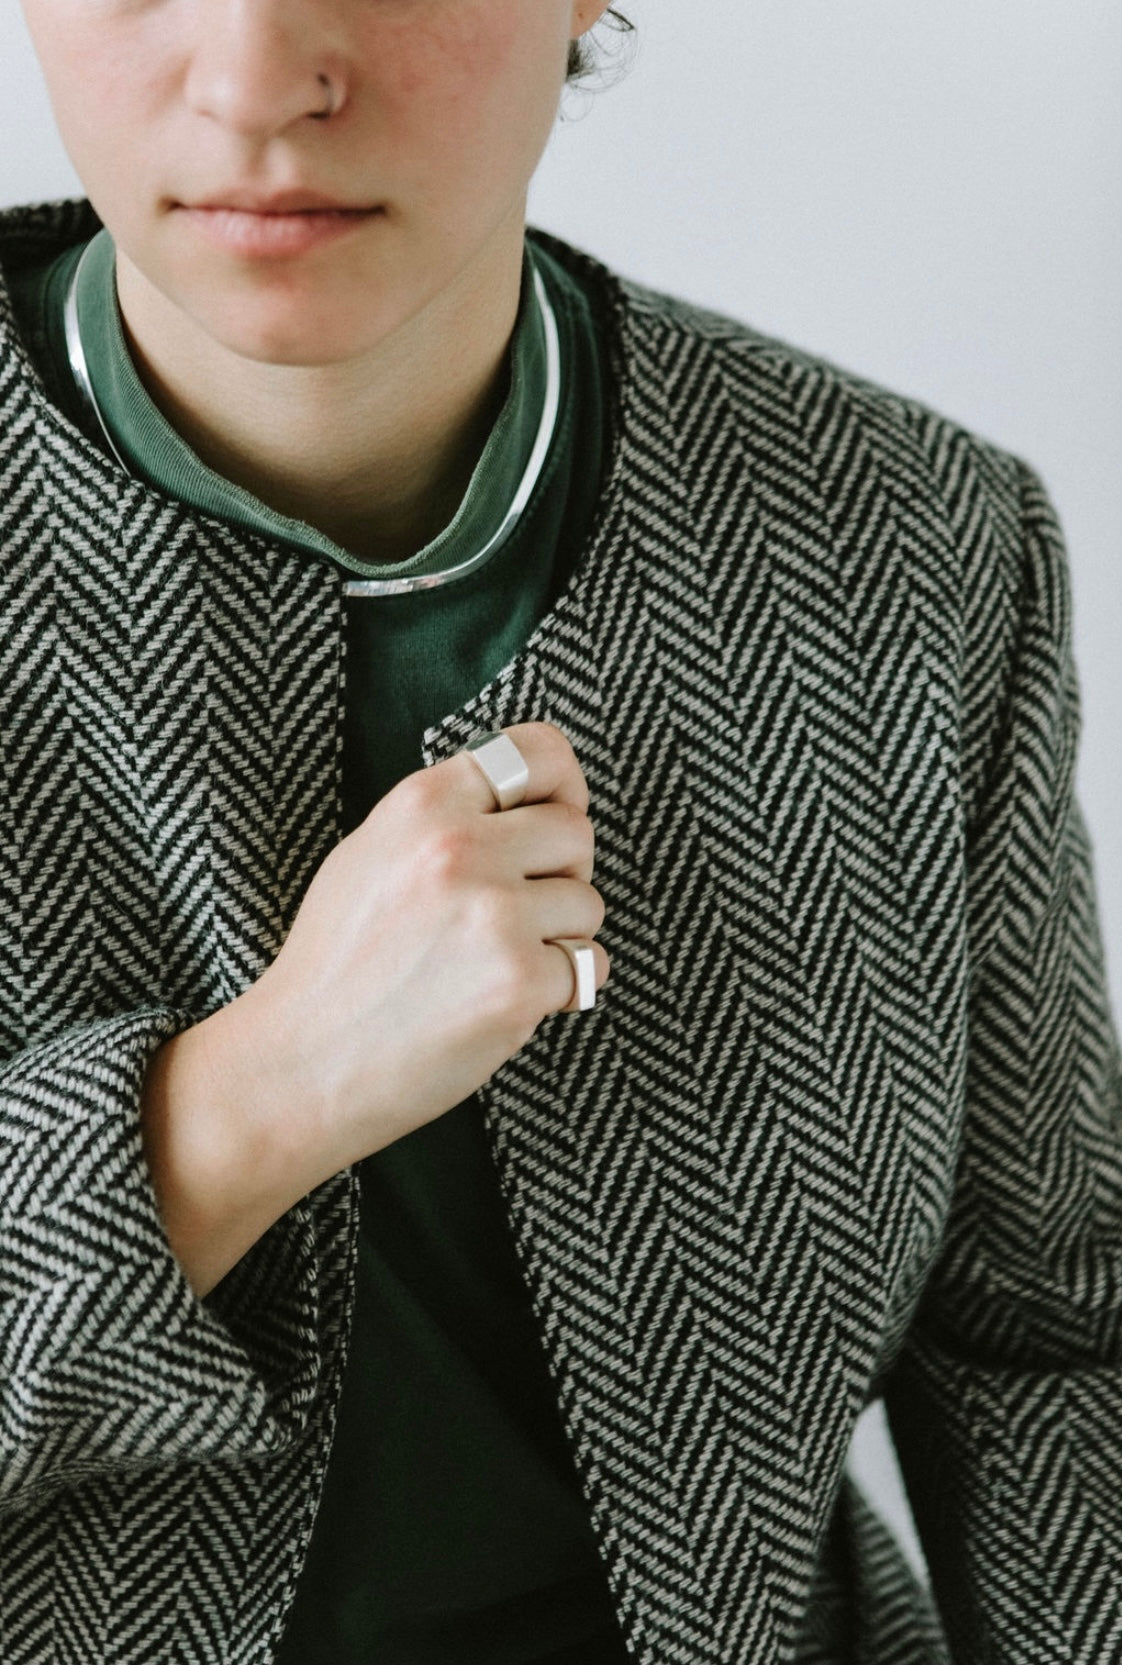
108 1359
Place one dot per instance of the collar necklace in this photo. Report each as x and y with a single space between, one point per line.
407 583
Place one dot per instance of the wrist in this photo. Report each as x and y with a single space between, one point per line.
216 1138
262 1118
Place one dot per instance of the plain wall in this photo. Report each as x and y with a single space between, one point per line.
926 194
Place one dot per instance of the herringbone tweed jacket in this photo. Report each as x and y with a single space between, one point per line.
847 1121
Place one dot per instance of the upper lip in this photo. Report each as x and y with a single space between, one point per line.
280 202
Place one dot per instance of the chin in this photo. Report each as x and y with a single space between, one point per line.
284 336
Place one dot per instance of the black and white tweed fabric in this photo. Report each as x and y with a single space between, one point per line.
848 1121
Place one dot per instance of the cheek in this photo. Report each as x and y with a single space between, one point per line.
478 82
455 41
79 50
100 82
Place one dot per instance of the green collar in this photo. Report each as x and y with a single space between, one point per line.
146 444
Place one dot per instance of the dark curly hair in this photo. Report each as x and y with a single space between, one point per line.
582 56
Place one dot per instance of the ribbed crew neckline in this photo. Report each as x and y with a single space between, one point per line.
152 448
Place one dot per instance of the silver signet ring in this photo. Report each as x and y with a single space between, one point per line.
583 962
502 766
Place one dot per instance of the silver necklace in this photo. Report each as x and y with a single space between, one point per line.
77 356
407 584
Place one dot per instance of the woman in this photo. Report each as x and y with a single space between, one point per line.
375 1289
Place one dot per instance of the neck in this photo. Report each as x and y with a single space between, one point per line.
376 452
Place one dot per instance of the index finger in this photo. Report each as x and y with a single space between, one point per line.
555 776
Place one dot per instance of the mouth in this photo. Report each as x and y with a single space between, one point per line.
296 201
285 224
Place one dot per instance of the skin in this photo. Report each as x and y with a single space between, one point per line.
351 383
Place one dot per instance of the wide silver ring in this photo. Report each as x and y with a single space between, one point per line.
502 766
583 961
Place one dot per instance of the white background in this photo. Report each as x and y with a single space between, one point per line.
929 194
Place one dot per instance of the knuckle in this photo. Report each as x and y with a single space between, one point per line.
559 740
548 734
578 825
447 856
580 788
556 742
571 833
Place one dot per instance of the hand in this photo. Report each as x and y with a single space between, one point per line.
420 959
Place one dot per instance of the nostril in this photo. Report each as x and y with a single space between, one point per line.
332 99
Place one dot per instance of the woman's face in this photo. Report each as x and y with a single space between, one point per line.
171 109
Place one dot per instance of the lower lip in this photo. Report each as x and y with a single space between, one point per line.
276 236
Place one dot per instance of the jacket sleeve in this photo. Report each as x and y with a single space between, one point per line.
1006 1403
108 1360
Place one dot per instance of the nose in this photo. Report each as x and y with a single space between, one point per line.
257 66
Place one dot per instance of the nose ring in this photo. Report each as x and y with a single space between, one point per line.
331 97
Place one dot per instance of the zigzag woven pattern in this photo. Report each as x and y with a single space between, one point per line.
847 1121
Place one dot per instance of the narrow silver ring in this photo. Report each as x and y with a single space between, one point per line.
583 961
502 766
